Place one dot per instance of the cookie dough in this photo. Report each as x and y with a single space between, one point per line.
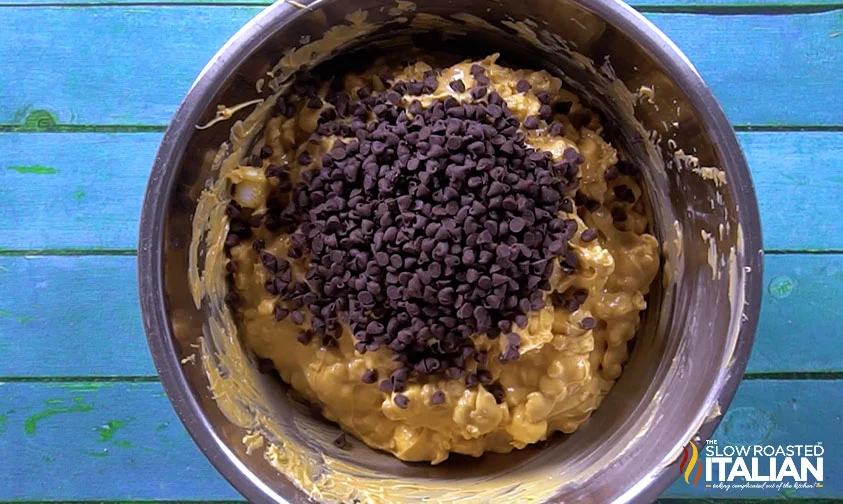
571 351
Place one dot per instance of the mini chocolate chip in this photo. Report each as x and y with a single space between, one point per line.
437 397
304 337
305 158
543 97
401 401
523 86
588 235
478 92
588 323
369 376
531 122
458 86
280 313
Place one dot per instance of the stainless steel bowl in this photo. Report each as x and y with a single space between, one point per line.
691 352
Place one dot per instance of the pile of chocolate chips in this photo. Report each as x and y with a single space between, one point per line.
425 226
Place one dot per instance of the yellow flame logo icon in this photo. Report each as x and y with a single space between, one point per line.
690 460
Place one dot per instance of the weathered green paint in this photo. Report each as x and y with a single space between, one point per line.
108 430
93 386
78 194
33 169
39 120
23 319
3 422
781 287
31 424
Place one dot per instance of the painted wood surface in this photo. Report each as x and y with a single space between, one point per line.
86 77
94 68
122 441
84 191
52 321
73 191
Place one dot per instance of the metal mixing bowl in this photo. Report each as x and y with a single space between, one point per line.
692 350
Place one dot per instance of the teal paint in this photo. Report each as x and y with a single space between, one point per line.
114 345
750 83
747 426
799 328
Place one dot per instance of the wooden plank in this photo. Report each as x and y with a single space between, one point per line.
81 191
52 323
84 191
74 77
797 177
801 315
52 319
122 441
89 441
107 65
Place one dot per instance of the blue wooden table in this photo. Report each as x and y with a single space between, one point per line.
86 89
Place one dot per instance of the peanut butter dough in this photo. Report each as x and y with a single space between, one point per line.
564 370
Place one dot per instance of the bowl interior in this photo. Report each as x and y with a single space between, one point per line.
697 331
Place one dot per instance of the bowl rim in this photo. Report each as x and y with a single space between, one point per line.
252 36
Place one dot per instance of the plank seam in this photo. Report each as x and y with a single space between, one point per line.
795 375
